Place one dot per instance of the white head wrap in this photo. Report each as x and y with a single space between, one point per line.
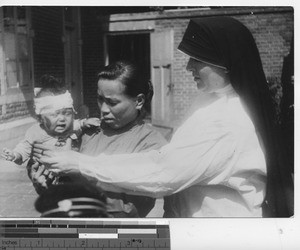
49 104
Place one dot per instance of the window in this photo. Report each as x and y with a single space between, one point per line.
14 38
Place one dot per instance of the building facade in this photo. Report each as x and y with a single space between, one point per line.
73 43
152 39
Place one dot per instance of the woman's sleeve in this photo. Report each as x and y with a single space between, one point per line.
193 156
150 140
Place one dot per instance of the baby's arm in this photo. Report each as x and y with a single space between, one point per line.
90 122
22 151
79 125
11 155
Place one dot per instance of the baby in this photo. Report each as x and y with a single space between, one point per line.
57 127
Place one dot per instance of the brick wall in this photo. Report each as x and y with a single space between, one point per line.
15 110
273 33
272 28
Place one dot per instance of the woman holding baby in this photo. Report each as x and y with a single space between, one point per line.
122 97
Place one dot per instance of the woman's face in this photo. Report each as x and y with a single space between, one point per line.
205 75
117 109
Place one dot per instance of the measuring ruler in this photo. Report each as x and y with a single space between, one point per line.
87 235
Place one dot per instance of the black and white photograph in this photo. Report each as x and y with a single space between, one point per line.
147 112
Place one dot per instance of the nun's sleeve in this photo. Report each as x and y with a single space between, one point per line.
194 156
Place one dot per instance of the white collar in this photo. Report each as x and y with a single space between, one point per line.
228 91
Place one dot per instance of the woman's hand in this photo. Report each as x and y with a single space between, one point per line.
54 160
40 176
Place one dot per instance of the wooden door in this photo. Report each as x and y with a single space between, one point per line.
161 74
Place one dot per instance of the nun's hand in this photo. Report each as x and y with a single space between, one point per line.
54 160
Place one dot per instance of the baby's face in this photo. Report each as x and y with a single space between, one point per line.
59 122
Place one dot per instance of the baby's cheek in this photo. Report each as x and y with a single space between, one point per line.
46 122
69 124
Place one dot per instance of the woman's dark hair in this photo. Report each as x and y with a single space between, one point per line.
50 86
128 74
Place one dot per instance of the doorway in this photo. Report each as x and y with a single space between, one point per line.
72 50
132 47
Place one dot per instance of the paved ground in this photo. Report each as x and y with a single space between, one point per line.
17 194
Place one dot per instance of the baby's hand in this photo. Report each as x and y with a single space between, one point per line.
91 122
8 154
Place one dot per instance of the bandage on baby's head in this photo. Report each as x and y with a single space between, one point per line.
50 104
